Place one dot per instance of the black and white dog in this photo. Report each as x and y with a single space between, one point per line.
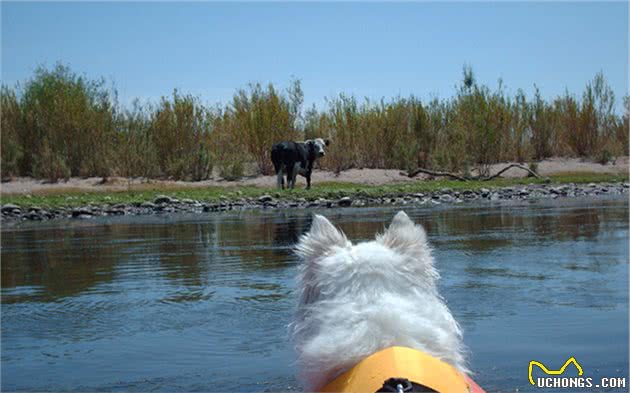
293 158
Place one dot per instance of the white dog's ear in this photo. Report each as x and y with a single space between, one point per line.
321 238
405 237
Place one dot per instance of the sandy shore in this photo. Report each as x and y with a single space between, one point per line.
25 185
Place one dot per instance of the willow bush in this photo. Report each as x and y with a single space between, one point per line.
483 121
622 127
179 131
228 149
520 148
137 155
10 122
343 153
543 125
68 120
261 117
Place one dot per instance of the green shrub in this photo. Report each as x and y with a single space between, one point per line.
75 116
231 170
604 157
136 154
608 151
11 124
49 164
261 117
543 125
179 131
343 115
622 127
483 120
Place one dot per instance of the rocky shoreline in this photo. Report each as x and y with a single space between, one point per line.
12 214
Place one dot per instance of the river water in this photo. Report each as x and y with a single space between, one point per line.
201 302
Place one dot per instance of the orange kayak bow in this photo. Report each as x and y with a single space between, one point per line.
401 369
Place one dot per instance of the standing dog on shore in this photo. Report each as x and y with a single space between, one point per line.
356 300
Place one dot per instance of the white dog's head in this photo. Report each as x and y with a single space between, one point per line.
358 299
401 256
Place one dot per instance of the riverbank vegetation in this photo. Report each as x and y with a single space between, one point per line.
60 124
326 190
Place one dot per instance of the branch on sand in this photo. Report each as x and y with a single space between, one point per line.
467 178
434 173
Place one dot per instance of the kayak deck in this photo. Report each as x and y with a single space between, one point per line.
420 368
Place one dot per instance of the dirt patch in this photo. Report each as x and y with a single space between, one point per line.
26 185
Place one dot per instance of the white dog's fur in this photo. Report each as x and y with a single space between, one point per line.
359 299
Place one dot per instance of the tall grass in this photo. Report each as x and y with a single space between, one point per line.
373 135
60 124
622 127
544 127
10 122
180 135
137 153
72 117
261 117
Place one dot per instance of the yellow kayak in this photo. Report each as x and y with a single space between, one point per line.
402 369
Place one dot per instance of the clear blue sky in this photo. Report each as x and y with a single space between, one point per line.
366 49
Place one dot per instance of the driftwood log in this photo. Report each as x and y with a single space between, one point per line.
434 173
467 178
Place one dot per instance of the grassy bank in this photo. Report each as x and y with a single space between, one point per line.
328 190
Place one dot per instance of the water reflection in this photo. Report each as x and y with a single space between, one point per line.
66 261
56 263
189 302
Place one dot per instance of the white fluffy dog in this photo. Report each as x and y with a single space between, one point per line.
359 299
